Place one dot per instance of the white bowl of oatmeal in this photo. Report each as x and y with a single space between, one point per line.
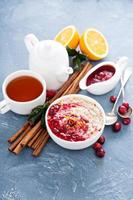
75 121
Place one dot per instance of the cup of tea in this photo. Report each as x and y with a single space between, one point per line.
23 90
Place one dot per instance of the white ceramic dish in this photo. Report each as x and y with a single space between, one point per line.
23 108
80 144
101 88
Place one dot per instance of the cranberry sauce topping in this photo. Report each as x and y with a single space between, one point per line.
103 73
66 125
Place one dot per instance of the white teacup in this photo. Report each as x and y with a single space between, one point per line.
23 108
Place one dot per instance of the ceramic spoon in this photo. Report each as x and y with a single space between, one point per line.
130 110
111 117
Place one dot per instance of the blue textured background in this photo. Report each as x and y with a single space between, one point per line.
59 174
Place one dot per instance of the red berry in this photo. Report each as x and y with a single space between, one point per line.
126 121
98 77
97 146
113 99
101 140
126 104
122 109
101 74
54 109
50 94
100 152
108 76
117 127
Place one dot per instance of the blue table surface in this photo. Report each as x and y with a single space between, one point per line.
60 174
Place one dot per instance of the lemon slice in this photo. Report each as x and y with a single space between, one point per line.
68 36
93 44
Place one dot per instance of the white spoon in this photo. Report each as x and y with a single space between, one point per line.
130 109
111 117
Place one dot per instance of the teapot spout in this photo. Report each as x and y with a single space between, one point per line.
69 70
30 41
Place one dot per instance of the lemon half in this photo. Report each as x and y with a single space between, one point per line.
68 36
93 44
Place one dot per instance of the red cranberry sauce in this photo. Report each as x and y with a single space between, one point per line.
101 74
66 125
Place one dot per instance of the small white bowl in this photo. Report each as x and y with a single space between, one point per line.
80 144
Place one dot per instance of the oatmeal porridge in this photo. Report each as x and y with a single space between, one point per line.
75 119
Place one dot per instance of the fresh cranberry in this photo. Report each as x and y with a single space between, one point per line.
97 146
97 76
50 94
55 130
126 104
117 127
122 109
100 153
85 128
62 129
113 99
101 140
126 121
54 109
101 74
55 124
107 77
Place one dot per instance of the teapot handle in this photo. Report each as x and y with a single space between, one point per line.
30 41
122 62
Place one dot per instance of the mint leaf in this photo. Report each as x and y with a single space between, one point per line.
77 58
71 52
82 57
77 64
38 113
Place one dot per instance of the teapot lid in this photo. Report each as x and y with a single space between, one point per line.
48 49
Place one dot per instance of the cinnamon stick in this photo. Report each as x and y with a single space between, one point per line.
75 84
27 138
39 139
31 134
18 133
77 90
17 141
37 151
65 86
31 142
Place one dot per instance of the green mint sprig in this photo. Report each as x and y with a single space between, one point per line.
38 113
77 58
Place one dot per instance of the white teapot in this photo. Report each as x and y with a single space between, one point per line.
50 59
